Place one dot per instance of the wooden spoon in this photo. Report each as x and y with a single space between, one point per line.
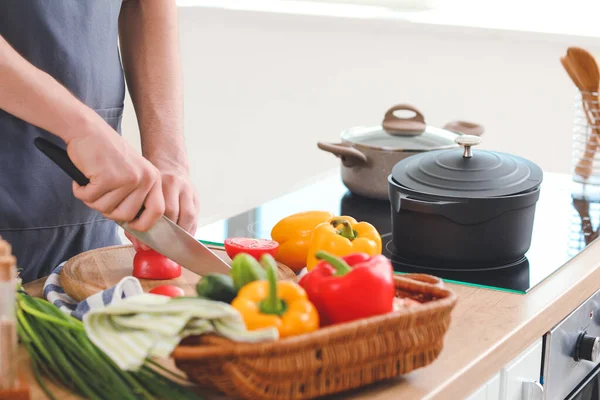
583 70
586 107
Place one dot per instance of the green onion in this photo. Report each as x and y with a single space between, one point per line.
61 352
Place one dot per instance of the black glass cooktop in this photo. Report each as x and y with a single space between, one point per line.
563 227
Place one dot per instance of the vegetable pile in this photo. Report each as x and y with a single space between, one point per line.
348 278
61 351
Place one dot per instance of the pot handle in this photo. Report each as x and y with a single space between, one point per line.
423 206
465 127
396 126
349 155
465 213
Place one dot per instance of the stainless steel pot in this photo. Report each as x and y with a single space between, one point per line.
368 154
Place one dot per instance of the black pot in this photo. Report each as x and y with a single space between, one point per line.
462 207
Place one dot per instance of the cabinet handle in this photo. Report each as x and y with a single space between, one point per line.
532 391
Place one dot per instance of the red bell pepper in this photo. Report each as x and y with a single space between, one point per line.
349 288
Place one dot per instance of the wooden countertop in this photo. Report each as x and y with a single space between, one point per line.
489 328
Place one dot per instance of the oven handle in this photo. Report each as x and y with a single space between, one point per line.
589 380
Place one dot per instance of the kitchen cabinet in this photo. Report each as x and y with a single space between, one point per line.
489 391
524 369
493 388
509 382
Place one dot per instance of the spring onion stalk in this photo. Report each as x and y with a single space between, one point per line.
61 352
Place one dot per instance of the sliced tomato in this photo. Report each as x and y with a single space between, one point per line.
168 290
149 264
254 247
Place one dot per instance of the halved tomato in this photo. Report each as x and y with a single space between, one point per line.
168 290
254 247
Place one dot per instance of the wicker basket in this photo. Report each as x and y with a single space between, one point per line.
332 359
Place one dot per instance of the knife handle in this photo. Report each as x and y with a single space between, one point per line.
61 158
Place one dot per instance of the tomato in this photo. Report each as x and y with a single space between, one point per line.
254 247
168 290
149 264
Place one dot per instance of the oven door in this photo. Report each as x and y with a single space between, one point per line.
589 389
571 356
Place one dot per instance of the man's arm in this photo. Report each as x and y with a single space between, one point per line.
34 96
120 180
150 53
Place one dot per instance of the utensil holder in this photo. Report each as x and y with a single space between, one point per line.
586 140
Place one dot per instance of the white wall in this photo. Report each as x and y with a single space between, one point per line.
261 89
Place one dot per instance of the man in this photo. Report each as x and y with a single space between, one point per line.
61 78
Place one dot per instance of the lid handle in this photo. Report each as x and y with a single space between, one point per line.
467 141
465 128
396 126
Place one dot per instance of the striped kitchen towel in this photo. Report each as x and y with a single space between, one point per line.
55 294
129 325
149 325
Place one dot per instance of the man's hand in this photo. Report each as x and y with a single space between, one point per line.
181 199
150 54
121 181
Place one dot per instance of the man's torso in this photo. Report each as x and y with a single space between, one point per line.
76 42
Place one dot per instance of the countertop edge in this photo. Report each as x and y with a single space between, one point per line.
578 280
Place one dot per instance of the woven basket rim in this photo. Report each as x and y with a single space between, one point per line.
217 346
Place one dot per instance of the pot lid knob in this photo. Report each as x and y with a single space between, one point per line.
467 141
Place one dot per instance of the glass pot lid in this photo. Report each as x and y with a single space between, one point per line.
401 134
467 173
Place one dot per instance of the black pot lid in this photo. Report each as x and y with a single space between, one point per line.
467 173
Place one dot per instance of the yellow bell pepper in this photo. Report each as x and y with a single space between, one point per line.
280 304
293 235
341 236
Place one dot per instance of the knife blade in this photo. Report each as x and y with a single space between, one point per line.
165 237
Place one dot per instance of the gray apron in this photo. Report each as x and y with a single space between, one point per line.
76 42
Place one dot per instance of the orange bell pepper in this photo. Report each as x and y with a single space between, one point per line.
341 236
293 234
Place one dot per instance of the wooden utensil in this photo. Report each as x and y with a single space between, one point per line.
581 168
583 71
96 270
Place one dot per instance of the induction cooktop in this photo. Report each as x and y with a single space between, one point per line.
565 224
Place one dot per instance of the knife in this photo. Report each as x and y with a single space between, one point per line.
165 237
